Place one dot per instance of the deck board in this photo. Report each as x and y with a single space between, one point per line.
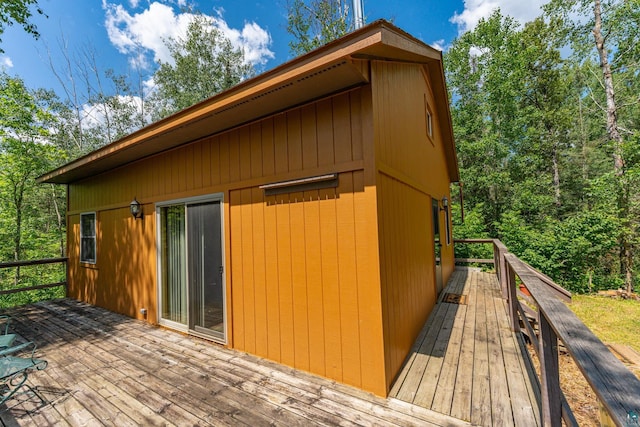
467 363
107 369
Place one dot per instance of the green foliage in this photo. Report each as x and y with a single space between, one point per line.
531 134
204 64
32 276
28 227
472 227
19 12
314 23
577 252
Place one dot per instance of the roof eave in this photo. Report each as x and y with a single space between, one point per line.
379 39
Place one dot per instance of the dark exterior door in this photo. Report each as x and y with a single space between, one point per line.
437 244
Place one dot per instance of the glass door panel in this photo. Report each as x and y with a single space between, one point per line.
174 264
206 299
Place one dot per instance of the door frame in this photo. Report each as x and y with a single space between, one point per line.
215 197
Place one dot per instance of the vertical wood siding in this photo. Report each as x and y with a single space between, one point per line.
411 171
312 137
303 280
406 267
126 258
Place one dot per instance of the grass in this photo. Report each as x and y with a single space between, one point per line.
612 320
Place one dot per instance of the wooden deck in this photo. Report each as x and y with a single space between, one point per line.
467 363
107 369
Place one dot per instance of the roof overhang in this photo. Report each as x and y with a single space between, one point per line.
322 72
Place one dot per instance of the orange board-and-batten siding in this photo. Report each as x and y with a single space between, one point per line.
337 281
324 317
411 171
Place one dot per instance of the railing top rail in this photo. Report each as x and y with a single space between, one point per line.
560 292
616 387
32 262
474 240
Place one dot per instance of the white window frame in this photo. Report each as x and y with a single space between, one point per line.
428 119
83 258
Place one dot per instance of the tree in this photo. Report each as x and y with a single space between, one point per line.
203 64
19 12
530 151
482 75
609 30
24 155
95 107
314 23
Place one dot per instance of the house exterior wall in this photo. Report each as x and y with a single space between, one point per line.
123 278
302 275
411 171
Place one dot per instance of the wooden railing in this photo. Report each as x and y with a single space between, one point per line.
18 264
617 388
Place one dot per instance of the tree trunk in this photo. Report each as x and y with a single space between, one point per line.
58 217
583 142
622 196
18 192
556 176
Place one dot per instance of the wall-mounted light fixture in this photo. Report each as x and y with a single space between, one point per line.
445 204
135 208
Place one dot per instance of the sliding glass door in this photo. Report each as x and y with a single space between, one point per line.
191 267
205 269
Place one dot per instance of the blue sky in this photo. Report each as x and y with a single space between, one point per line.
127 34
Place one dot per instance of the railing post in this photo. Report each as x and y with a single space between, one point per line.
550 374
503 272
496 258
512 299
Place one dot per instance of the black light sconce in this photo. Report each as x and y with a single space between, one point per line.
135 208
445 204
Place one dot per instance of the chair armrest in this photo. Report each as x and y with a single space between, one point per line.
19 348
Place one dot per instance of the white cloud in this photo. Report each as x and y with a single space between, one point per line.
438 44
6 62
474 10
144 33
253 39
94 115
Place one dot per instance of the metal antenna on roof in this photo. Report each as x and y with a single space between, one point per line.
358 13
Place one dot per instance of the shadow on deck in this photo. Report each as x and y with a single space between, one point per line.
466 361
107 369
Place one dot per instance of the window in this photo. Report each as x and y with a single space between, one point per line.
429 118
88 238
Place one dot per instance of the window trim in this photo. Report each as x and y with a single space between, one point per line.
84 260
428 115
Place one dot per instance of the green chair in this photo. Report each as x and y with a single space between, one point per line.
14 370
6 339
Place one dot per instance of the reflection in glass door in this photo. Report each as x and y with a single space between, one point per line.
206 314
191 268
437 244
173 264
